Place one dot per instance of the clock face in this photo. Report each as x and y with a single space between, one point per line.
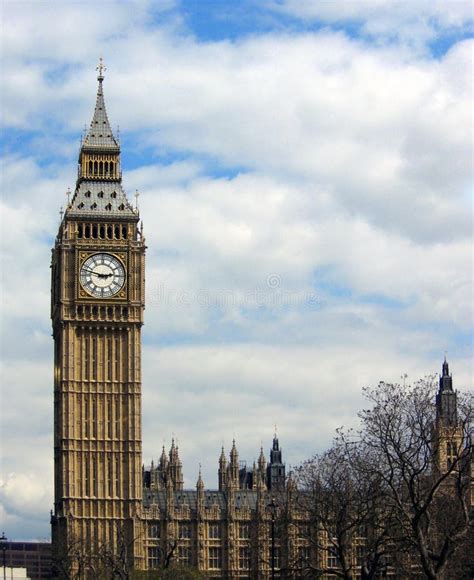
102 275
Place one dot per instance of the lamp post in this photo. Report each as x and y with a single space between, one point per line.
3 544
273 507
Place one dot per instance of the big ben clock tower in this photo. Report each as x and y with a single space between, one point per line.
97 313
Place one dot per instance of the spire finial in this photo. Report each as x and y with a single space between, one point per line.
445 366
137 195
200 483
101 68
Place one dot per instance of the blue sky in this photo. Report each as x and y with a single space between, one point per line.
305 179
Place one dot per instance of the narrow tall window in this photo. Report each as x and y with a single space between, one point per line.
214 531
87 416
184 530
85 344
109 359
86 475
244 558
117 477
94 359
117 417
117 359
244 530
110 480
154 557
109 417
215 558
94 417
94 477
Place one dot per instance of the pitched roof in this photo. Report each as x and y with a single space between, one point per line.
100 199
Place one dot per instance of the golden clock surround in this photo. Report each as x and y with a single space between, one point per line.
83 256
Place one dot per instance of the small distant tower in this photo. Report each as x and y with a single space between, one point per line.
276 468
447 432
446 399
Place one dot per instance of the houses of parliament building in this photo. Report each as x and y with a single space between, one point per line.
104 497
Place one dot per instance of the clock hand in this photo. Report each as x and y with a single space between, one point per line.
89 270
97 273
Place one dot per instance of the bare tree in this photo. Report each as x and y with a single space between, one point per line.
116 561
70 559
350 522
424 462
397 493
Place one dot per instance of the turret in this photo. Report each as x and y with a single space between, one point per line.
200 492
447 432
222 471
233 468
163 460
276 468
262 467
446 399
175 468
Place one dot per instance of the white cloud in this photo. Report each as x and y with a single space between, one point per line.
244 390
297 165
414 23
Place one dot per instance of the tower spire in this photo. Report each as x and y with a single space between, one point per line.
100 132
446 399
99 185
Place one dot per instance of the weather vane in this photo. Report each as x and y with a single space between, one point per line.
101 67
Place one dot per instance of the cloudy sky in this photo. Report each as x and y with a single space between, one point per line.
305 179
